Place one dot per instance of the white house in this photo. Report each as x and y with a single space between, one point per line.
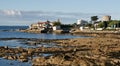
81 22
40 26
56 28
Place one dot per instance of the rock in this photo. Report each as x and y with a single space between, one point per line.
22 57
23 60
24 54
56 60
18 47
30 52
67 63
5 57
66 57
10 58
39 61
6 47
116 60
75 49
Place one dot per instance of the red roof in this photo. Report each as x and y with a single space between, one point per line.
42 22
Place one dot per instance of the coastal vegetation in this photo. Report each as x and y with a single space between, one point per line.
94 18
55 23
111 23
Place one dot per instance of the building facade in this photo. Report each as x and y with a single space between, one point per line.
40 26
81 22
106 18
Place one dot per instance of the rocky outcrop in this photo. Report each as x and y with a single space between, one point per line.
93 51
85 52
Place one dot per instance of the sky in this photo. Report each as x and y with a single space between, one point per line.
25 12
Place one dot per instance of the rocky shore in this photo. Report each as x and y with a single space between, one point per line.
86 52
100 50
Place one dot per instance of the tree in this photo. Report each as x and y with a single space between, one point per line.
88 25
56 23
105 24
94 18
113 23
100 24
75 25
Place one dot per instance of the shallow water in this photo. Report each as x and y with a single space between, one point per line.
17 43
5 62
40 36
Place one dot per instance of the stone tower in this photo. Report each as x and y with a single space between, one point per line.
106 18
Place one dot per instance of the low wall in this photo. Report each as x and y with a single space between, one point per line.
98 33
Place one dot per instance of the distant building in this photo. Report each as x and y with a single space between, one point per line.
40 25
106 18
33 26
81 22
56 28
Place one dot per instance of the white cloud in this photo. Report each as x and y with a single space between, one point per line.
11 12
26 17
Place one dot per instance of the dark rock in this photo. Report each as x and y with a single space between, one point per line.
23 60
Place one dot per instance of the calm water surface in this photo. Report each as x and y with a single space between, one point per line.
5 62
14 34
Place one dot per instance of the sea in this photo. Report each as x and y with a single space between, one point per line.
12 32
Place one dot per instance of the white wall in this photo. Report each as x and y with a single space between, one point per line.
56 27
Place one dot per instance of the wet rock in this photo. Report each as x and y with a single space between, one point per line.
66 57
31 43
6 47
5 57
23 60
20 49
66 63
75 49
56 60
24 54
23 57
30 51
39 61
2 54
11 57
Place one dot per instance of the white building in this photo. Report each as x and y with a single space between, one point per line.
56 28
81 22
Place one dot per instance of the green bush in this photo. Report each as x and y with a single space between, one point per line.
56 23
100 25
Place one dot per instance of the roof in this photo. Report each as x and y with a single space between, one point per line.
42 22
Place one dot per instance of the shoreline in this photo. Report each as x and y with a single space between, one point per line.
101 50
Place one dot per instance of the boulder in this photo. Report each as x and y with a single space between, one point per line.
10 58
